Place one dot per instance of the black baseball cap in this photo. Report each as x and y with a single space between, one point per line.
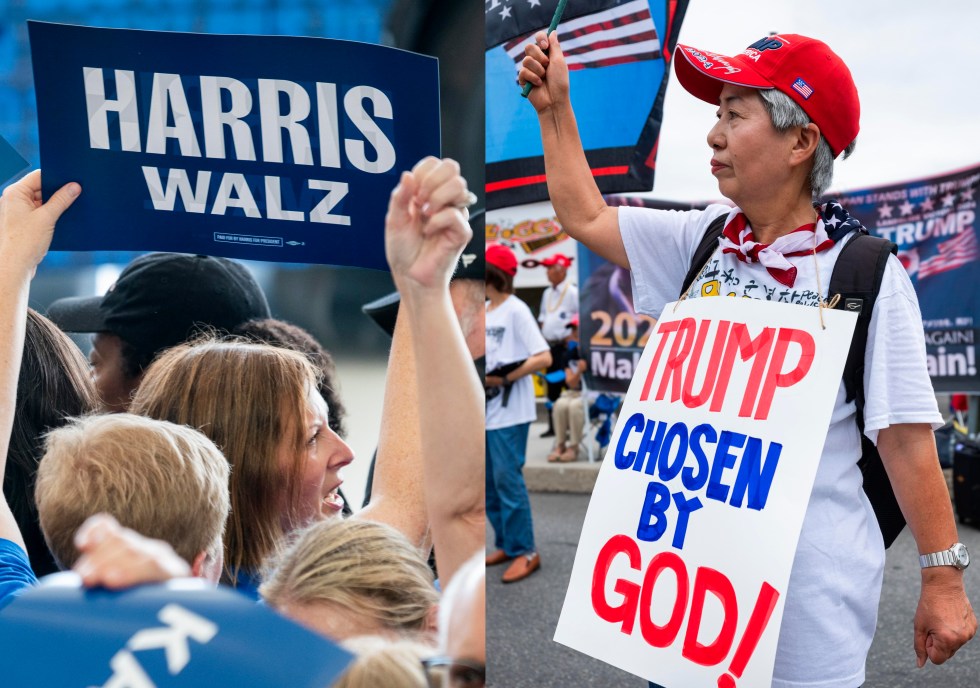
473 260
472 264
162 299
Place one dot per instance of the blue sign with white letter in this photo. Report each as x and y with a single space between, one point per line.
254 147
180 634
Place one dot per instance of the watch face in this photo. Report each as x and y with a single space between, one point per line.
961 556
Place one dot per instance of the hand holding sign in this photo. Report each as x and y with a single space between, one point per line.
425 228
27 223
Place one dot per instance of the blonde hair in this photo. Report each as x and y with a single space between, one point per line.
359 566
162 480
382 662
247 398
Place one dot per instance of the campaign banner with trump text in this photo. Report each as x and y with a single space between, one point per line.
681 572
933 221
254 147
612 334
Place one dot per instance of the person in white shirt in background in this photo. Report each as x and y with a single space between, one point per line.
515 350
559 304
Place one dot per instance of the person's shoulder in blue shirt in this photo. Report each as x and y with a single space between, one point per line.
15 572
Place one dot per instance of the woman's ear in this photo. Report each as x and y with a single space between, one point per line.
805 145
432 620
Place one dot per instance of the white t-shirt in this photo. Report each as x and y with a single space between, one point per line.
558 306
512 335
832 599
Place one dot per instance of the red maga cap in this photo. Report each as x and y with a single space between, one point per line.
803 68
557 259
502 257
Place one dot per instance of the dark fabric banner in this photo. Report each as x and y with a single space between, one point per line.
618 54
611 333
934 223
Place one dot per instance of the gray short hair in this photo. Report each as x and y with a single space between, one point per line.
786 113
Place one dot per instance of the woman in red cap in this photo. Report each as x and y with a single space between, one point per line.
515 349
787 107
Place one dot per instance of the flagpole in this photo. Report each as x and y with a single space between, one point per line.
554 25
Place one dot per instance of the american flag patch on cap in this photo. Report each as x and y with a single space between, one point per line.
803 88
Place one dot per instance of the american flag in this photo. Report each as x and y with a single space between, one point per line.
594 33
622 33
958 251
803 88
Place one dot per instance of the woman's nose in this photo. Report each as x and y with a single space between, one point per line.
715 138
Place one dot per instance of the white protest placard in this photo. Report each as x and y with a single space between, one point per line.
681 572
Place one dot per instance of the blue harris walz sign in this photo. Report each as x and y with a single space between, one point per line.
255 147
178 635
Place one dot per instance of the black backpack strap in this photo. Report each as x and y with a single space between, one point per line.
709 242
857 278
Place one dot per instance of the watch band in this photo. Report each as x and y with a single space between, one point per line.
944 558
957 556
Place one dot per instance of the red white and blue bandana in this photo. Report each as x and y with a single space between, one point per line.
737 238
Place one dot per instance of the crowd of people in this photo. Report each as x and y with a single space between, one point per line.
205 439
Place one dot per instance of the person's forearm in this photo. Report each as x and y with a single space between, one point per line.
396 494
532 365
14 290
573 191
451 402
908 452
944 619
26 228
572 188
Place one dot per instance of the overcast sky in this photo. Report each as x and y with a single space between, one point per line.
917 69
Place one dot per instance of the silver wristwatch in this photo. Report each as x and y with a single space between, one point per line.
957 556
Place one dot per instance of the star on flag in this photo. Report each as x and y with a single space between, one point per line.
885 210
906 208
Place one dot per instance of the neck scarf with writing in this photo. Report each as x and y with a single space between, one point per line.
737 238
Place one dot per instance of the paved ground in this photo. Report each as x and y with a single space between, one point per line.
522 617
